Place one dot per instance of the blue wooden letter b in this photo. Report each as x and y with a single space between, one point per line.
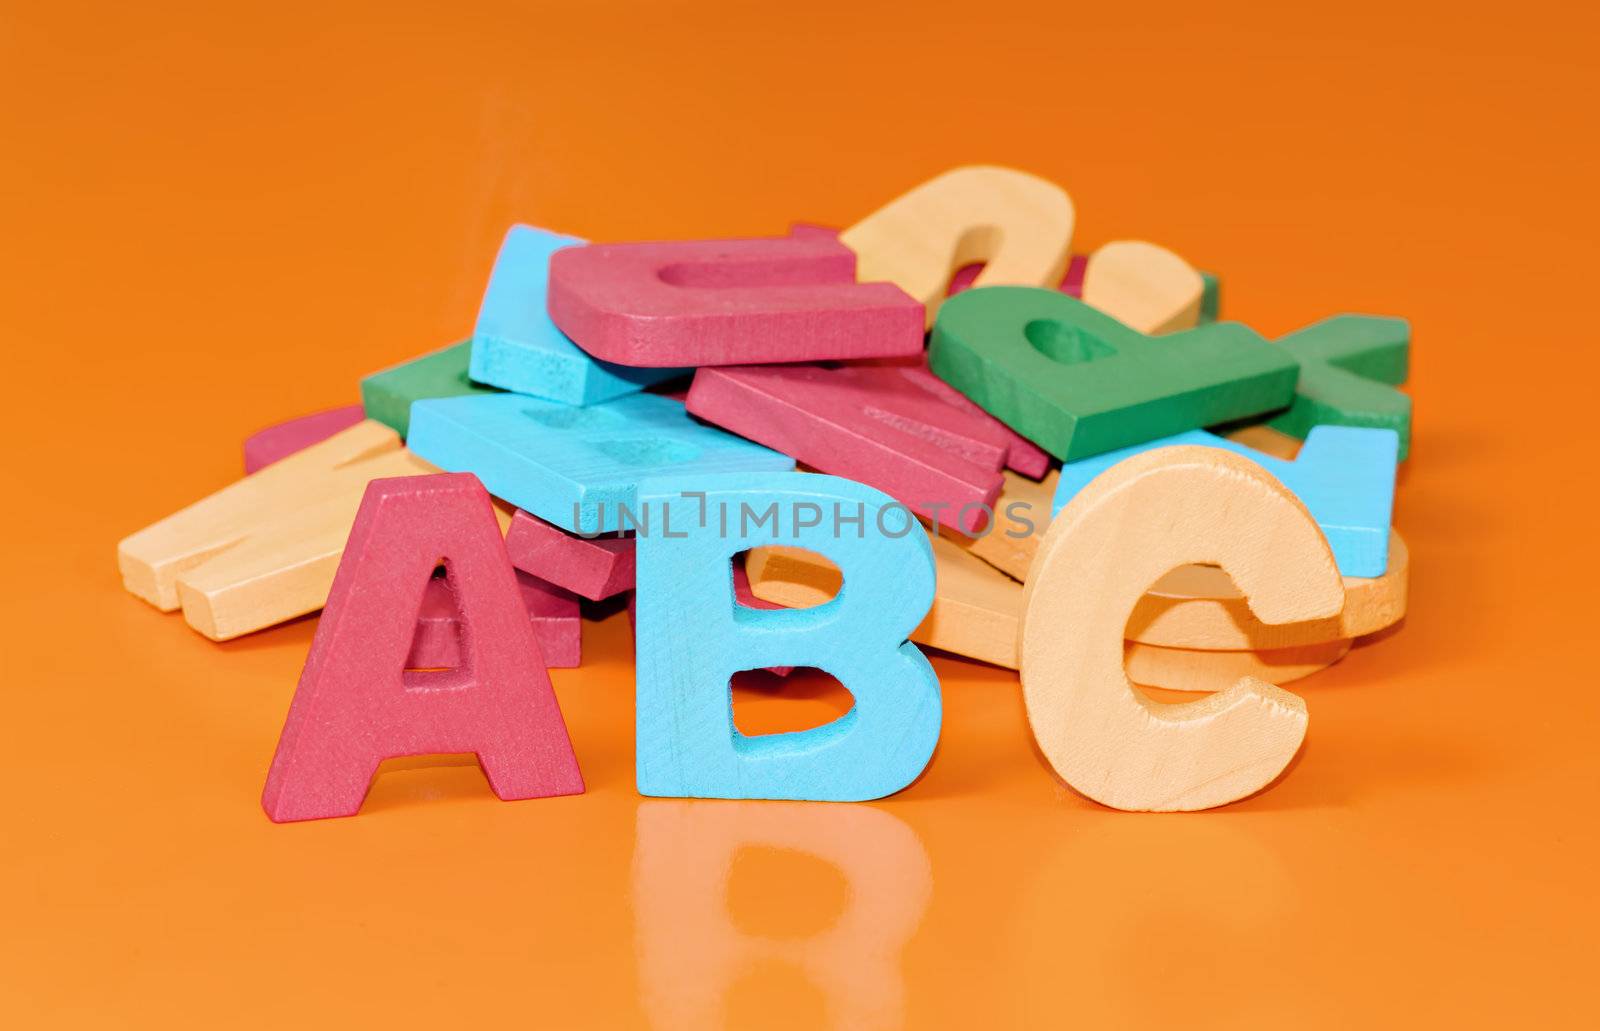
693 636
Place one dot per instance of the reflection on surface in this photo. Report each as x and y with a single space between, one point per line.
774 913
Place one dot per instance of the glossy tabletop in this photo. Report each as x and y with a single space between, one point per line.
218 216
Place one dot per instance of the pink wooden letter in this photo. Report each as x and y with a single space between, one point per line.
1022 454
720 302
264 447
595 567
553 613
869 424
357 705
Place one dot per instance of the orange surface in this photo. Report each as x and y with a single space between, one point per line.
217 217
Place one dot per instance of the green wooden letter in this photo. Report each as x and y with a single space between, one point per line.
1078 382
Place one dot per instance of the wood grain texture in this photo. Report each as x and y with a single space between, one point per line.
1200 607
1078 383
283 439
692 637
388 396
973 606
1188 669
868 424
516 346
1022 514
728 302
793 577
595 567
975 611
263 549
577 468
1018 225
1144 286
357 705
1344 474
1154 512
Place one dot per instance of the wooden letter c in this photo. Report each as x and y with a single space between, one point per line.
1145 516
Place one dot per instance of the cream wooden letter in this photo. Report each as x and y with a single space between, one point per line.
1143 286
1156 511
1018 224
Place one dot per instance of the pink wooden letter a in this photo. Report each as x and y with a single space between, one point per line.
357 704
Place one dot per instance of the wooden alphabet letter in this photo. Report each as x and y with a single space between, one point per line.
867 424
515 345
1077 382
1149 514
1143 286
728 302
1018 225
263 549
596 568
1344 475
357 705
577 467
283 439
389 395
1349 367
693 636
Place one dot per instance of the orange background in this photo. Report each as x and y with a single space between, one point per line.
217 216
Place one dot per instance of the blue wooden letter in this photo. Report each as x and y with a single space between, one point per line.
693 636
577 467
515 346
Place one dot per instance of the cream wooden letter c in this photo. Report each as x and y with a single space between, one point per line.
1156 511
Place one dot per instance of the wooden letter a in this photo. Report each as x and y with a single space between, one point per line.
357 704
